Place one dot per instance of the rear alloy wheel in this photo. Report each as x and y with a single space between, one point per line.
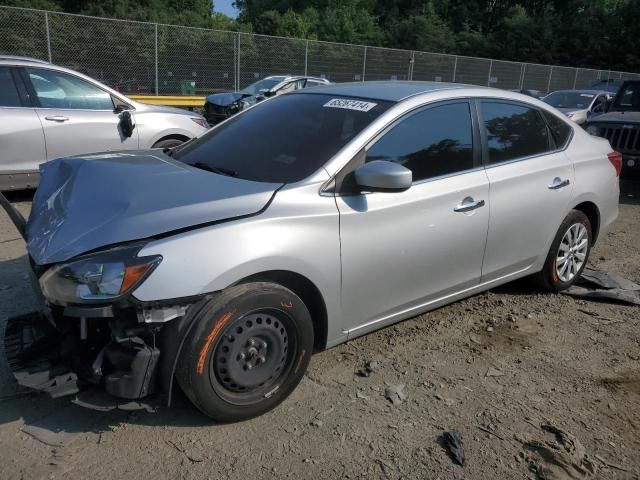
248 350
568 254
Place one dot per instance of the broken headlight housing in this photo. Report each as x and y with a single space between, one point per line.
97 278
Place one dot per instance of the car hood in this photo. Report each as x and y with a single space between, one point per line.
620 117
84 203
574 111
226 98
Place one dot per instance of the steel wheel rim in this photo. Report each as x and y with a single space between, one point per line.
572 252
253 356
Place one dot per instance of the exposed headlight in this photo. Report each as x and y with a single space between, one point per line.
593 130
99 277
248 102
200 121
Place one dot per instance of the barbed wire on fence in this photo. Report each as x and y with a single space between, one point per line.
142 57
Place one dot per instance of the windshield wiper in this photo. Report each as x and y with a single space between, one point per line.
219 170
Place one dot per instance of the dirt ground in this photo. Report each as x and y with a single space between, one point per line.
495 367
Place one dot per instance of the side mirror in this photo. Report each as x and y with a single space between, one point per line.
126 124
383 176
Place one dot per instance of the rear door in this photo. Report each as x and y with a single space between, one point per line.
21 136
531 180
77 116
402 250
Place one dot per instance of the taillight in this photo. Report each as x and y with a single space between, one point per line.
616 160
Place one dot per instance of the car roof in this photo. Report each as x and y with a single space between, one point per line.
578 90
392 90
283 78
16 59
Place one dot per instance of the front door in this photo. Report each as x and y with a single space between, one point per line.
403 250
78 117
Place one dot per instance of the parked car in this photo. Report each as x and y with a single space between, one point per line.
621 126
48 112
578 105
377 202
611 86
220 106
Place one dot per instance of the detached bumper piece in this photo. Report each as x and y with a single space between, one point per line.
62 356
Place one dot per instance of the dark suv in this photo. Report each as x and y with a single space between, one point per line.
621 126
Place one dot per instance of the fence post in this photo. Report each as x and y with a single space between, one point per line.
364 63
455 68
46 27
306 58
157 81
490 68
549 82
575 79
412 61
238 66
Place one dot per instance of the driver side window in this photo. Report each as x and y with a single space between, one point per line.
62 91
433 142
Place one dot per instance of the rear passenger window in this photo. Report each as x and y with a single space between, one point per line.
8 92
559 129
436 141
513 131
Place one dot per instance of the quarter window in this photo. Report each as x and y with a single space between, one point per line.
560 130
513 131
436 141
62 91
8 92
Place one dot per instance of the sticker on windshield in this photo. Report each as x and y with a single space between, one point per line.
586 95
358 105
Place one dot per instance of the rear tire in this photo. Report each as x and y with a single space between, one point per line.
247 351
568 254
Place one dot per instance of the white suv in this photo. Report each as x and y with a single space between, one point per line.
48 112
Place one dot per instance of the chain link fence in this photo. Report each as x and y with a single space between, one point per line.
147 58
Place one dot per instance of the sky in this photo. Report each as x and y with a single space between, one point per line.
226 7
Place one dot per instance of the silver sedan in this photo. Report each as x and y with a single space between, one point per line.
377 202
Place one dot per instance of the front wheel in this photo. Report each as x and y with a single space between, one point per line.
247 351
568 254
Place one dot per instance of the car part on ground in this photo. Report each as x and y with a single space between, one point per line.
621 127
602 285
268 250
220 106
49 112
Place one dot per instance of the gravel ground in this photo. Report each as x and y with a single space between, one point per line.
495 367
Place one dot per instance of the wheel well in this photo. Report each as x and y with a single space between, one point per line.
176 136
308 293
593 214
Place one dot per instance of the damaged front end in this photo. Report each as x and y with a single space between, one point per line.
111 340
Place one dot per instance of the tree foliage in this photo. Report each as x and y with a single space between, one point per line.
598 33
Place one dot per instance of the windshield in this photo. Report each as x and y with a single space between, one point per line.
577 100
628 98
282 140
265 84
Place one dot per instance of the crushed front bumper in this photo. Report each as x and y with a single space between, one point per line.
61 349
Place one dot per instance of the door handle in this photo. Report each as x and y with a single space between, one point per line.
558 183
57 118
469 204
